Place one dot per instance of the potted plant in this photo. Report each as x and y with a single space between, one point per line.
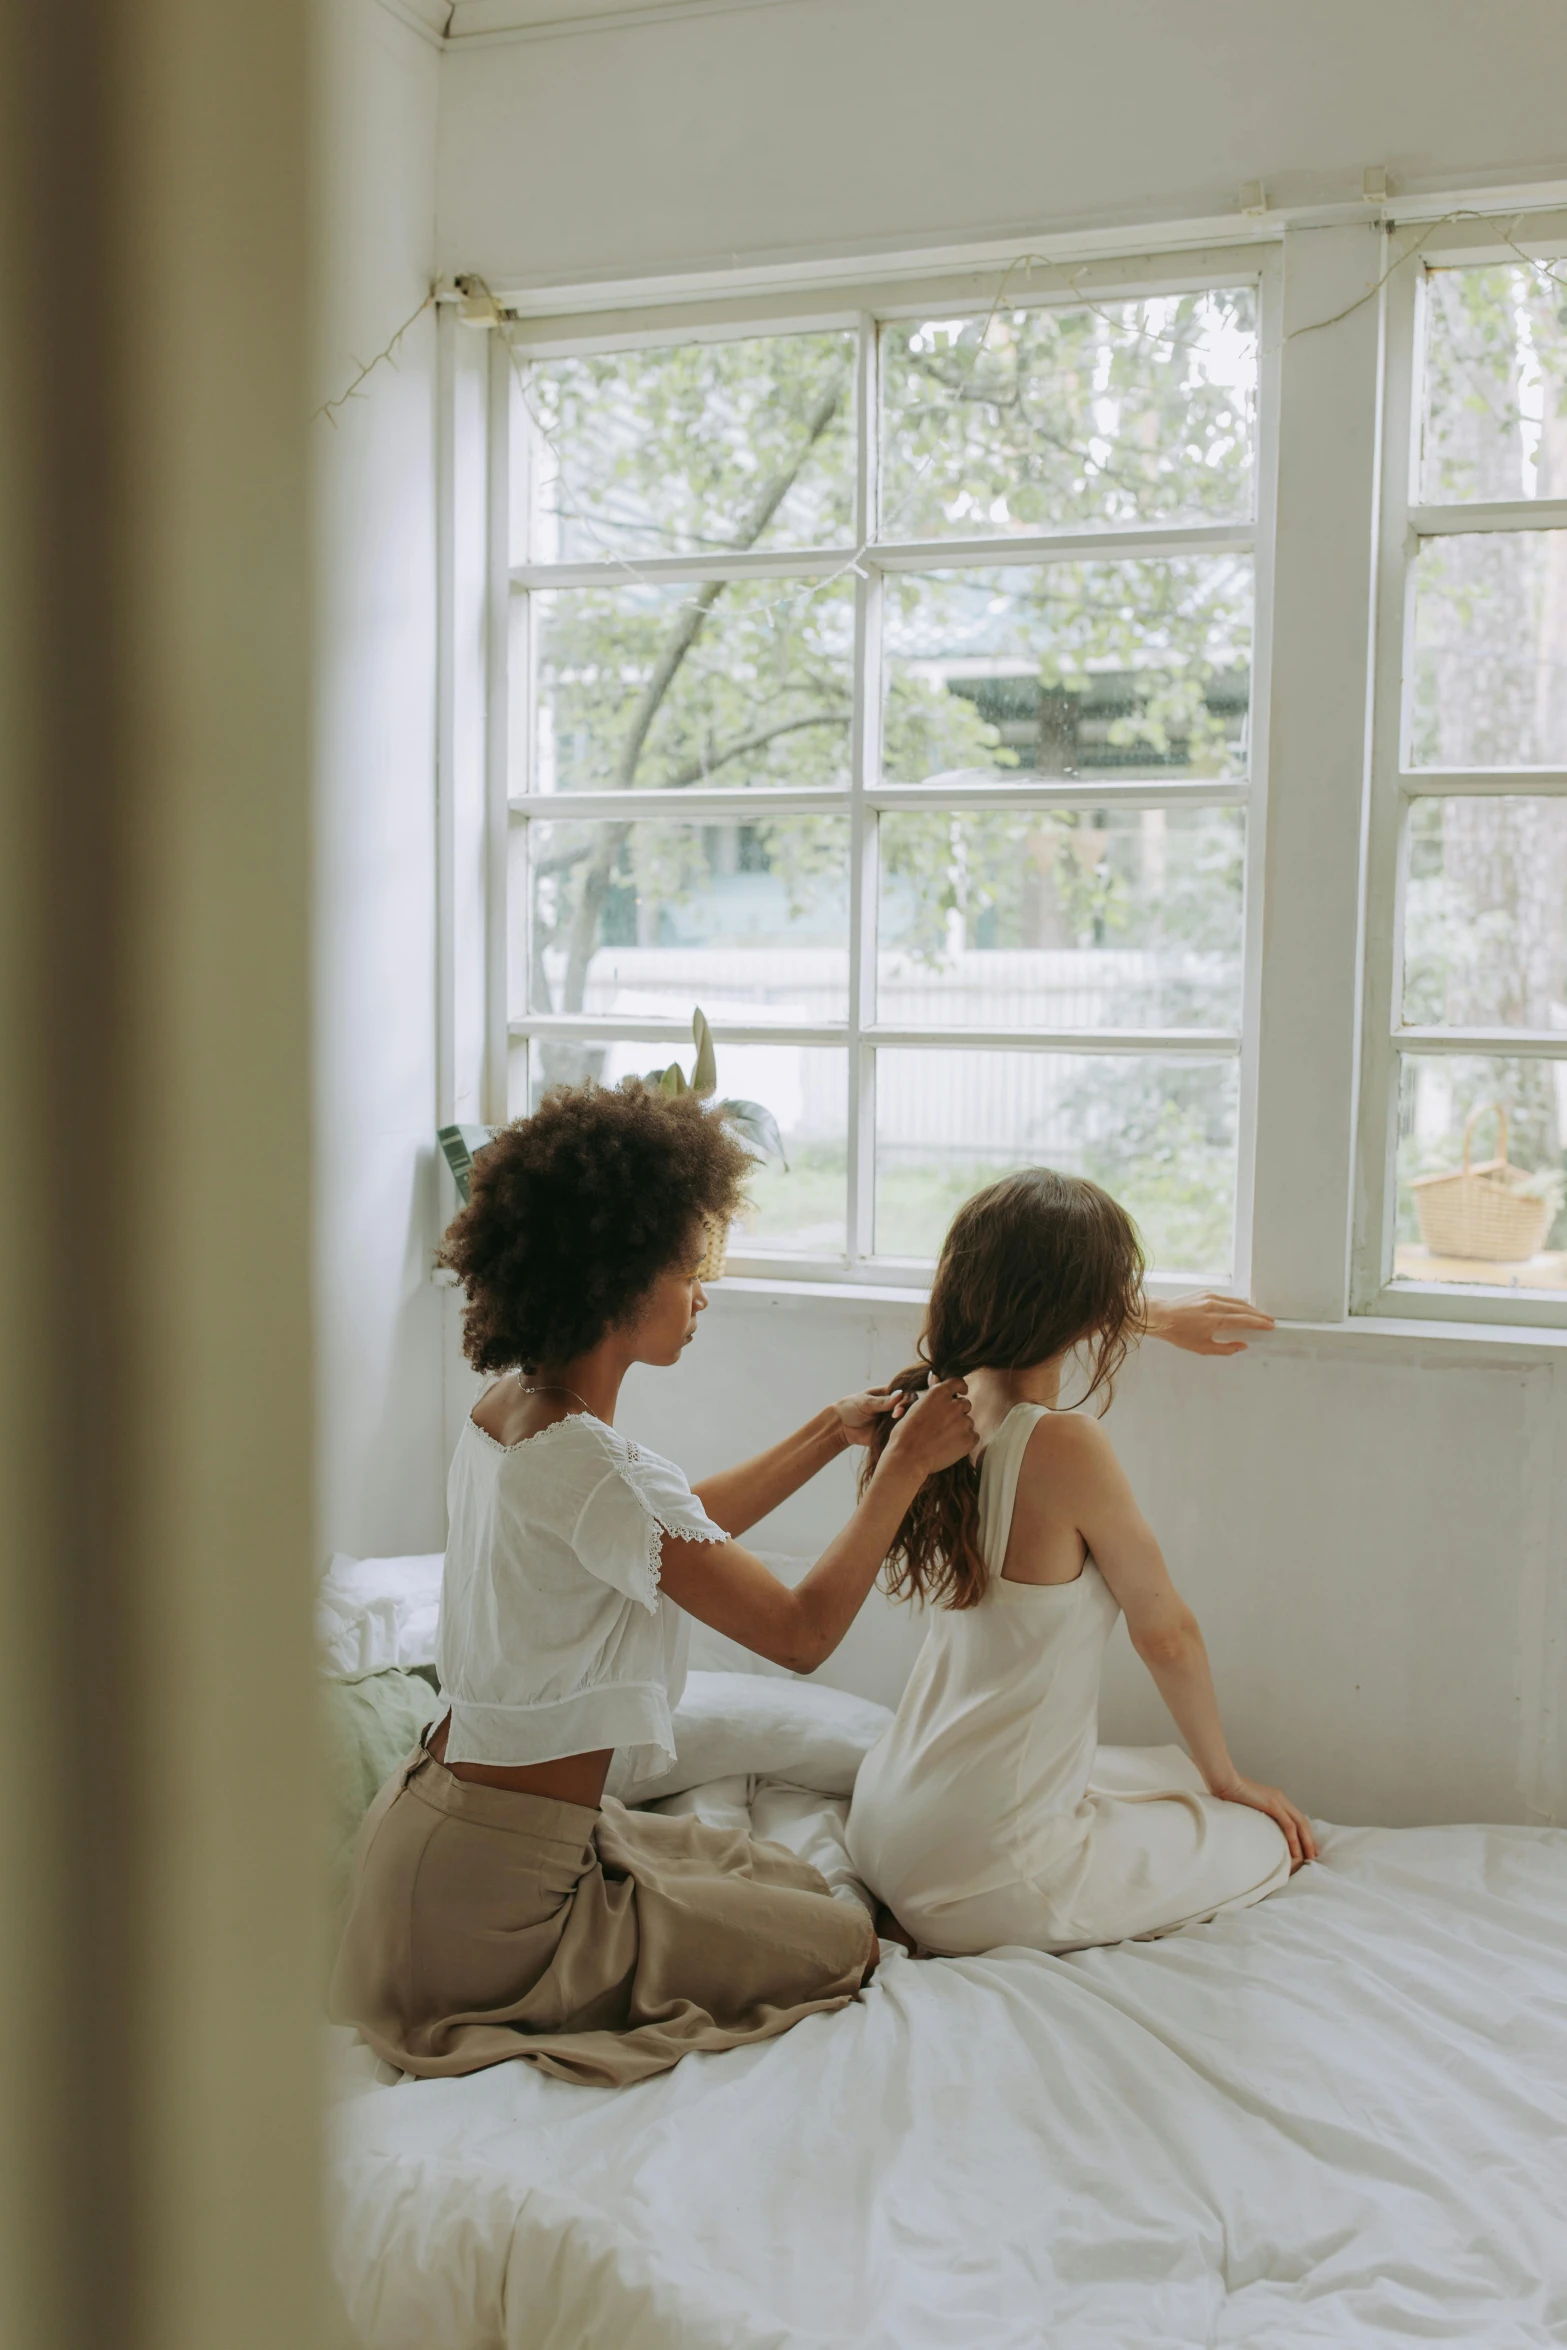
756 1126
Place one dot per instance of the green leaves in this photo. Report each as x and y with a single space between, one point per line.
704 1070
1039 419
756 1126
1495 383
671 450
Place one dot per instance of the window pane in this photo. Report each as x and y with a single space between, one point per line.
1485 914
1094 918
748 920
1115 669
693 448
1157 1132
1503 1226
1495 421
1030 420
796 1211
1490 681
664 688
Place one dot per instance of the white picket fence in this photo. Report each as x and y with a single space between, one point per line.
930 1103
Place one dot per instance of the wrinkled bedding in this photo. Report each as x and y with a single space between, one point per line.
1337 2118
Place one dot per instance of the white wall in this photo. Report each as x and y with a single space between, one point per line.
378 1319
844 126
1370 1529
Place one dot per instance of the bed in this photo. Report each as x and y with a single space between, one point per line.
1338 2118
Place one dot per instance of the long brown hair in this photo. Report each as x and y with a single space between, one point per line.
1036 1264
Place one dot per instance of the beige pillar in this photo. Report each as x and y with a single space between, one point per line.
159 1957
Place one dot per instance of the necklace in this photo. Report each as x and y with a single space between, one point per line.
571 1391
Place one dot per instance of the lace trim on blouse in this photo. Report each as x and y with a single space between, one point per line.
552 1428
655 1541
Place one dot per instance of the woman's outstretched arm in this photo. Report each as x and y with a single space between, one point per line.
737 1498
1206 1325
729 1588
1166 1635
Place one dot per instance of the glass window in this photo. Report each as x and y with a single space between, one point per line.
793 1209
1114 669
1481 1171
648 920
729 684
787 660
1485 914
1157 1133
693 449
1495 423
1490 666
1062 918
1035 420
1480 943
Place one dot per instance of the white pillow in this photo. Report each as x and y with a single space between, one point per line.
374 1614
729 1725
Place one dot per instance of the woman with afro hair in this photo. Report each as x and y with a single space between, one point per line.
504 1906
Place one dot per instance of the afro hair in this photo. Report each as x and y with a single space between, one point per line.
576 1212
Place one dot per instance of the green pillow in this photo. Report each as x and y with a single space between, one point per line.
371 1725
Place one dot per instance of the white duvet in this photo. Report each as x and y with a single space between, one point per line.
1337 2118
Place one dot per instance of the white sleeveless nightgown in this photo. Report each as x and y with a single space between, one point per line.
989 1813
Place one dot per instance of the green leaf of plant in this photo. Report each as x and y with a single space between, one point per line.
704 1070
754 1125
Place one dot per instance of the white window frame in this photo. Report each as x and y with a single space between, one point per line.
1396 785
1326 795
866 796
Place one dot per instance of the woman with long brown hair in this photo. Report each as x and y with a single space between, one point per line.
989 1813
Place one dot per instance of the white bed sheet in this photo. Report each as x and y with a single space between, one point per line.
1337 2118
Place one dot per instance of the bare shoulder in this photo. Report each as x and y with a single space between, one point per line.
500 1410
1069 1452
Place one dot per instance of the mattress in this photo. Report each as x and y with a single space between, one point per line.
1337 2118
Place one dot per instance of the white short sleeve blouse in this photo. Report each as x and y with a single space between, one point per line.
554 1637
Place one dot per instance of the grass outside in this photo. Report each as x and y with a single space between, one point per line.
1183 1211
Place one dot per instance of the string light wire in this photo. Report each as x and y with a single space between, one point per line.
387 356
853 565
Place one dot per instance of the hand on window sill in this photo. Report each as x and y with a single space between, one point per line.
1207 1325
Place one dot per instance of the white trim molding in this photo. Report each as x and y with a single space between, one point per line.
430 19
477 24
862 273
485 24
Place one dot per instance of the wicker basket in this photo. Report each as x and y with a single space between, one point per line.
1483 1211
716 1252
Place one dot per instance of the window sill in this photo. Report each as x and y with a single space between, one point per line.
788 1286
1493 1340
758 1278
1490 1341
